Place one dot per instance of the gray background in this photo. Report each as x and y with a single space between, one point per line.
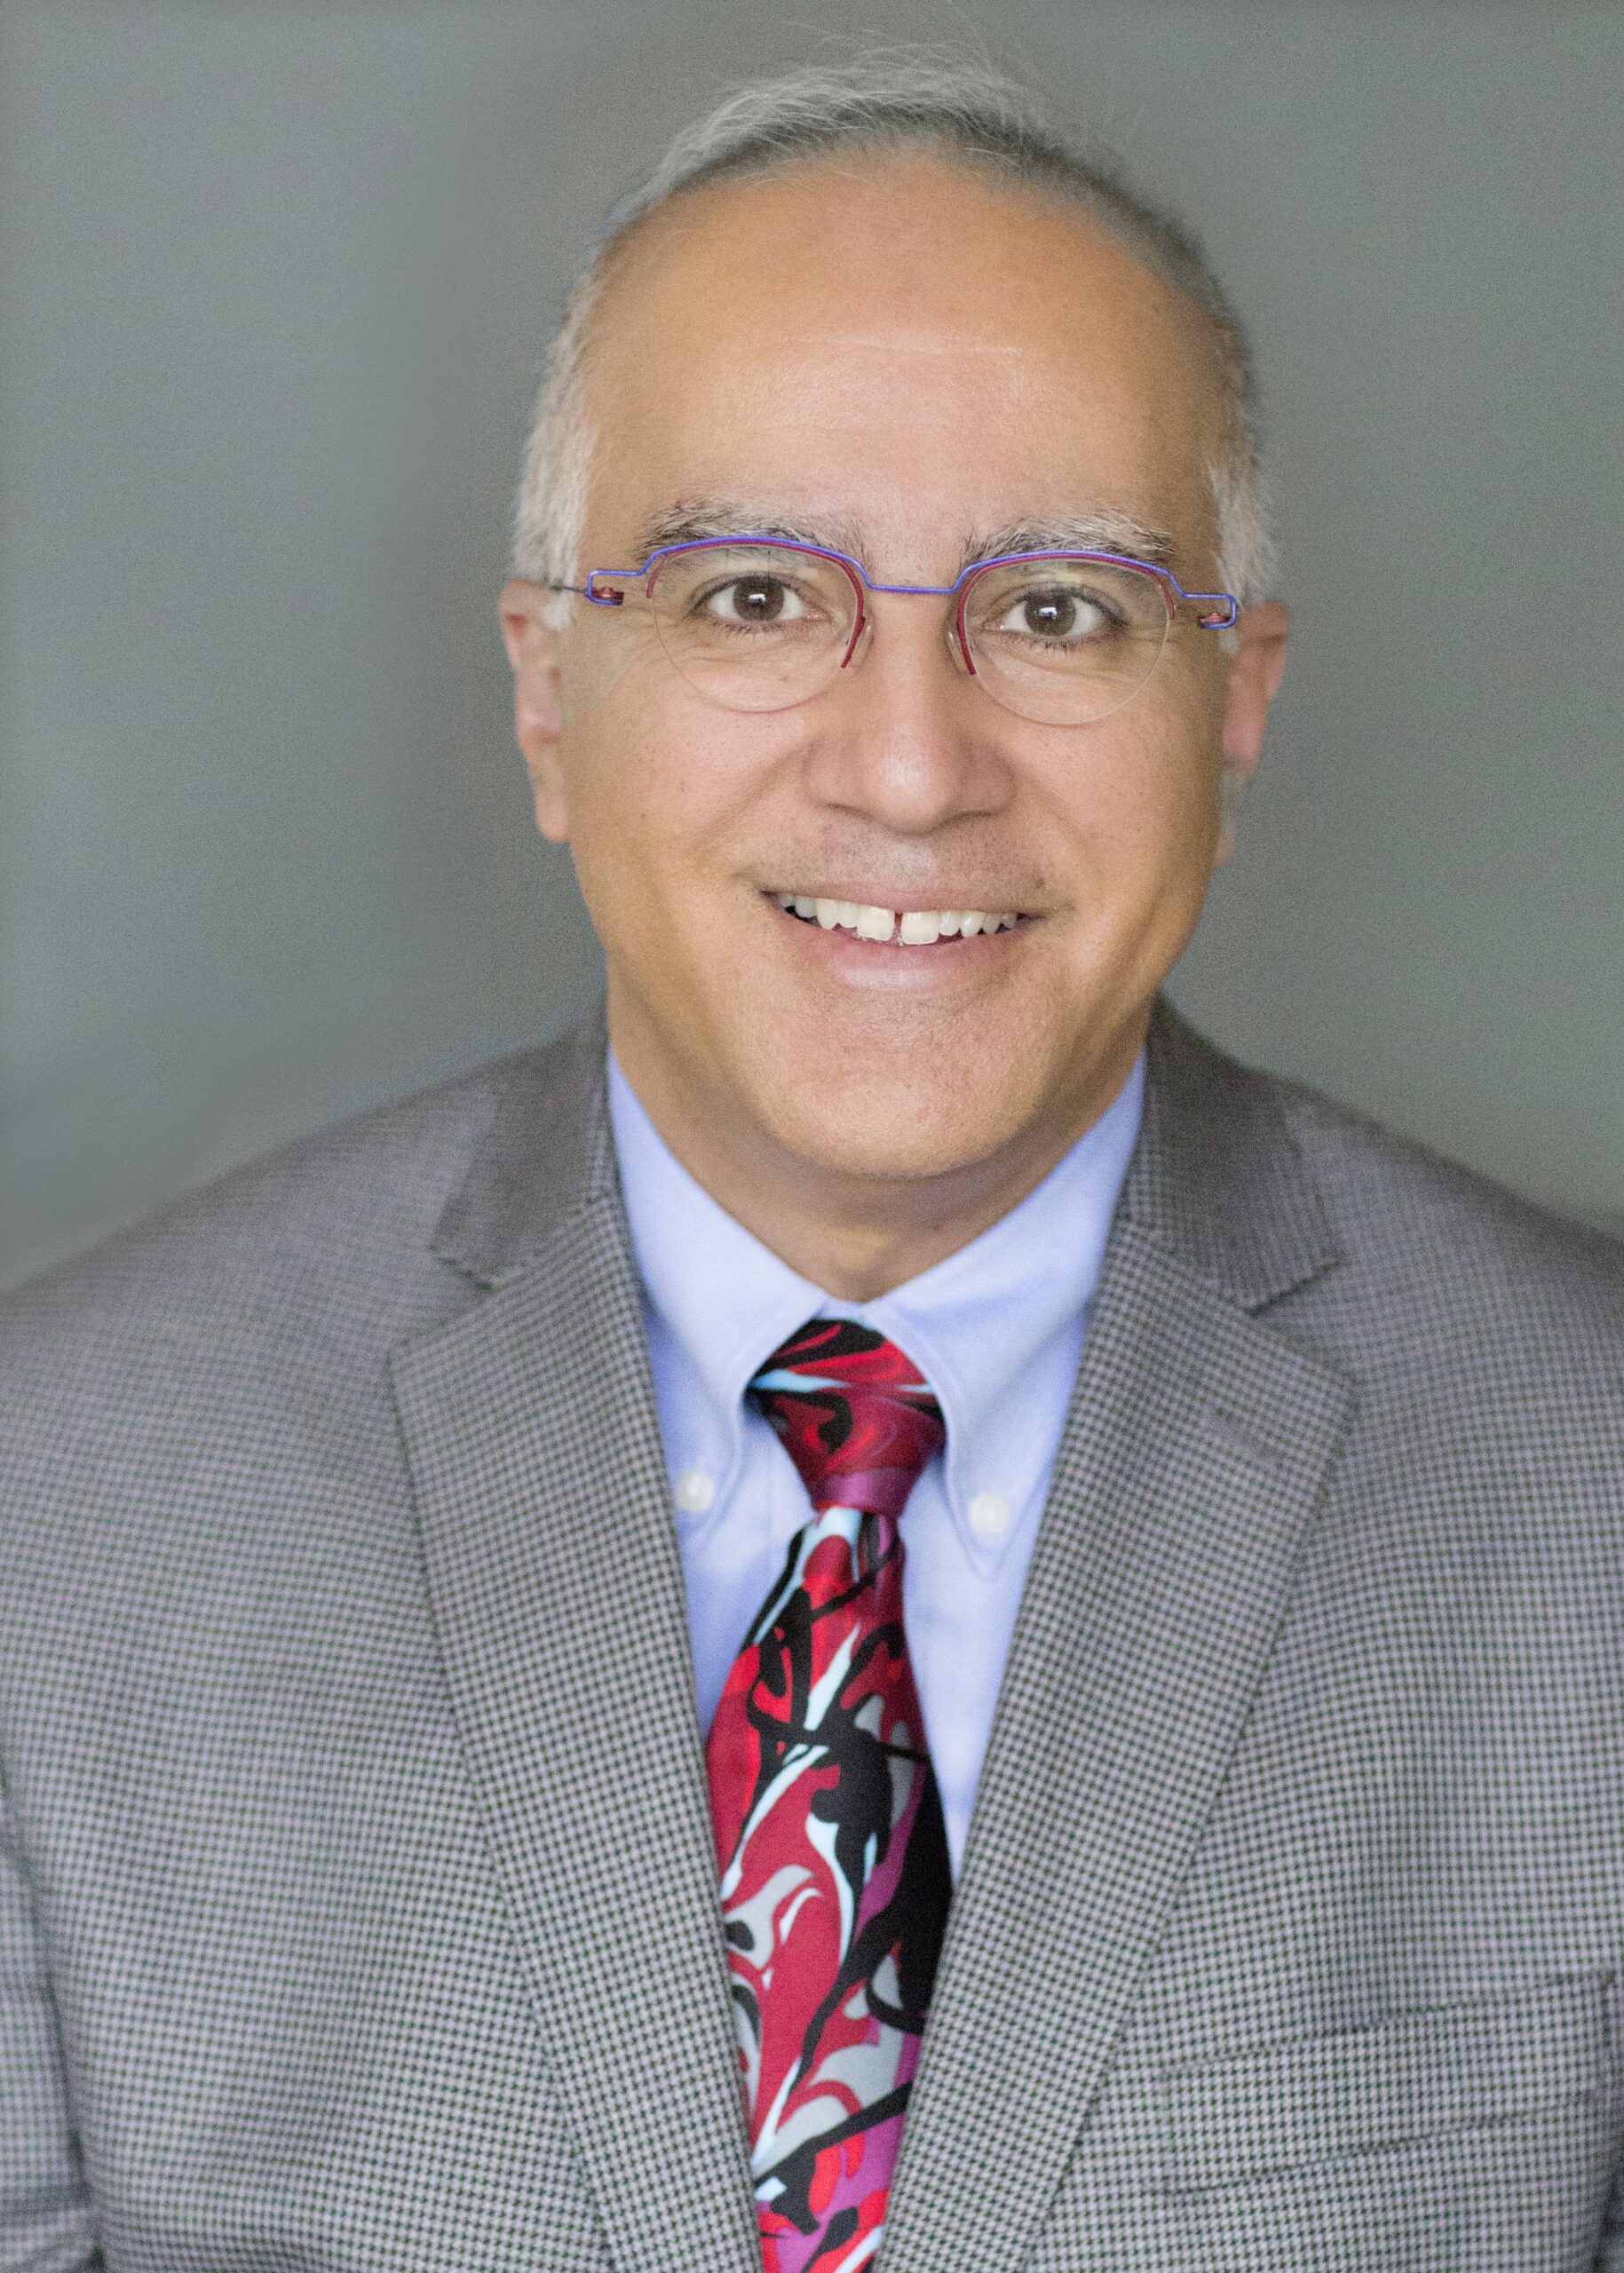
274 281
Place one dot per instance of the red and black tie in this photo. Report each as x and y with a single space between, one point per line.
828 1825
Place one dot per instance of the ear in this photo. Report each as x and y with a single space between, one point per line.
533 650
1253 681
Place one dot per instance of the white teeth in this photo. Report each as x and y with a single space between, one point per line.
920 927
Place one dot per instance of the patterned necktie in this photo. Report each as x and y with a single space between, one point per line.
828 1825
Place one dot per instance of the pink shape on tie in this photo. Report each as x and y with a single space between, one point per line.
827 1822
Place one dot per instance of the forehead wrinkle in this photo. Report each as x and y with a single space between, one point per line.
1103 531
835 341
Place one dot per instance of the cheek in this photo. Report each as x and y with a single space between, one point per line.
1142 805
657 800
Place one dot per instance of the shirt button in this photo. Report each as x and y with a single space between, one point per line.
695 1491
989 1514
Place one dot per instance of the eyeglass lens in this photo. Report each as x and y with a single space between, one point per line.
761 627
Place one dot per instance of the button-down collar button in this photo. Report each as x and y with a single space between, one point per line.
989 1514
695 1490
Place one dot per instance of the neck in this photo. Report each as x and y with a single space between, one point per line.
855 1236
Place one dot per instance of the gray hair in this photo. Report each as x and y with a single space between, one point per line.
884 104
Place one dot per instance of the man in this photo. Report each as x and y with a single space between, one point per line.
1142 1783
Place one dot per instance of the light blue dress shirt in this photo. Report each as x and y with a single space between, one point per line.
996 1329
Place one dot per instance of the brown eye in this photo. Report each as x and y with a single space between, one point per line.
1053 614
1050 615
759 600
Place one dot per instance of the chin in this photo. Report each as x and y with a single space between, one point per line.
895 1118
896 1154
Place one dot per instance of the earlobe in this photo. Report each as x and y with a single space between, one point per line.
1253 682
536 726
1231 789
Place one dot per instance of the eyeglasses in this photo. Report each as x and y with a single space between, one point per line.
761 623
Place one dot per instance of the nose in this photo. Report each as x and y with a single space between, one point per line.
903 735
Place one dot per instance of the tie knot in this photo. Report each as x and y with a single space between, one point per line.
852 1412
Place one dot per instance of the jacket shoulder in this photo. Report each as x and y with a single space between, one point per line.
339 1225
1436 1250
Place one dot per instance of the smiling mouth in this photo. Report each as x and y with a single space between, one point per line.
908 928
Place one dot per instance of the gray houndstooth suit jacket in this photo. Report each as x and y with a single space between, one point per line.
357 1900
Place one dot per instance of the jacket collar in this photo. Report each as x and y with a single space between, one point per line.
1217 1179
543 1150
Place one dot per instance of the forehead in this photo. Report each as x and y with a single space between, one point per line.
887 340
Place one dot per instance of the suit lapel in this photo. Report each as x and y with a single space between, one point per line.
535 1454
1192 1460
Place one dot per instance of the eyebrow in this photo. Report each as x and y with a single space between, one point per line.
1107 531
722 516
1104 530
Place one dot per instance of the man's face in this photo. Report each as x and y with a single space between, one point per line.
901 361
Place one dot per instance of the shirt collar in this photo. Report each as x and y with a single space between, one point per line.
971 1324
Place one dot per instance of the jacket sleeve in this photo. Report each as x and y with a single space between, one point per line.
45 2222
